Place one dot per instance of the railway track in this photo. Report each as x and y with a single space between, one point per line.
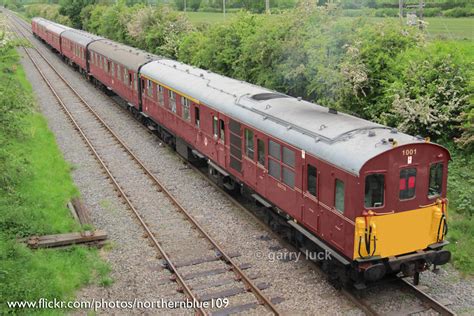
188 246
427 301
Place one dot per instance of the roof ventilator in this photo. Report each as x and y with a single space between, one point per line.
267 96
332 111
371 133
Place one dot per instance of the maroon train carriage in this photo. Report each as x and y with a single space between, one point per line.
51 32
38 28
370 196
74 47
116 66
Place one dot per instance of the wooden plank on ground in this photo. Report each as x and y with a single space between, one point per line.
59 240
82 212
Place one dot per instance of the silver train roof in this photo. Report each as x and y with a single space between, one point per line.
131 57
52 26
343 140
80 37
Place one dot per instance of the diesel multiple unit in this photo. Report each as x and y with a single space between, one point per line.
372 197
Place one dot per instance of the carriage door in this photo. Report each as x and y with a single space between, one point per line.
249 168
311 211
218 126
261 171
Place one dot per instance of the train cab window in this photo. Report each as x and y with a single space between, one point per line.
261 152
374 190
160 94
407 183
312 180
339 196
197 120
185 104
222 130
249 151
436 180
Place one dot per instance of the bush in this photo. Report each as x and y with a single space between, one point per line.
47 11
459 12
430 90
432 12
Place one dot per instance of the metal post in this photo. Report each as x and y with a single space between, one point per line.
223 7
267 6
184 5
400 10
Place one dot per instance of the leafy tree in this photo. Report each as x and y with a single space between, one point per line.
72 9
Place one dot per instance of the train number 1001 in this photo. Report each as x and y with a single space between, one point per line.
409 152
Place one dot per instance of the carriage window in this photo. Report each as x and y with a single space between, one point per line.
249 143
274 150
436 180
374 190
221 129
288 177
125 75
135 81
130 80
339 196
160 94
407 183
215 128
261 152
196 117
289 157
274 168
150 88
108 66
185 104
312 178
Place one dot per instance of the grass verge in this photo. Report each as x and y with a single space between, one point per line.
461 211
35 185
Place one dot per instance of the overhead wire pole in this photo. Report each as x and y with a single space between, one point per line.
267 6
223 7
184 5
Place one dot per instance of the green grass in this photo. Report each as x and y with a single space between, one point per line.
35 185
449 28
461 211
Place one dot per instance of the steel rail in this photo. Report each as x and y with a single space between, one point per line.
360 304
122 194
225 257
427 299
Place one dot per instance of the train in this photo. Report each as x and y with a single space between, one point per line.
369 196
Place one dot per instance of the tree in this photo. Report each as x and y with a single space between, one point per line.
72 9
